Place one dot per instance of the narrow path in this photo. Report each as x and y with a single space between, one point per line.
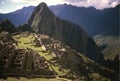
53 70
40 41
43 46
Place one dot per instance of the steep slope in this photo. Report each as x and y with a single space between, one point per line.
66 63
7 26
93 21
110 47
45 22
18 17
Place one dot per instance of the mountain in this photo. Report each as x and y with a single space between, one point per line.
56 51
25 27
43 21
18 17
7 26
22 59
109 46
93 21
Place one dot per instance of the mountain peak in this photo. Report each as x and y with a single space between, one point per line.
43 21
41 13
43 4
6 21
6 25
42 7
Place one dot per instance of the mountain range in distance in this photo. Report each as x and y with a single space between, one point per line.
18 17
94 22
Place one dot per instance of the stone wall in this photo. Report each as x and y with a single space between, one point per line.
21 62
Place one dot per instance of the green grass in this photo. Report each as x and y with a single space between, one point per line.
98 77
60 73
1 35
85 64
11 79
112 45
34 79
26 42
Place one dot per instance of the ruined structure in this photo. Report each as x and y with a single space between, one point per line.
21 62
54 45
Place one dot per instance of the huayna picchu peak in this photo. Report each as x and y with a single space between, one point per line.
43 21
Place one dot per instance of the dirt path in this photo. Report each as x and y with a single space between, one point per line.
40 41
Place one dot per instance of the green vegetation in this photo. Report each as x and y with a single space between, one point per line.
109 45
26 41
98 77
59 72
72 65
34 79
1 35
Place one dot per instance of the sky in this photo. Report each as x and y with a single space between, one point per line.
7 6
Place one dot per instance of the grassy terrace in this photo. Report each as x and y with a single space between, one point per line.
110 46
26 41
87 66
34 79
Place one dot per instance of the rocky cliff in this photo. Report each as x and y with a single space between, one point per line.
45 22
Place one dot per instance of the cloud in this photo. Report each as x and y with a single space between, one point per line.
36 2
98 4
12 5
0 10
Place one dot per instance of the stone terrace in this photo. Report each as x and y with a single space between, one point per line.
21 62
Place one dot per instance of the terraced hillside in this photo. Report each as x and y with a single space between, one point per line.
58 50
15 61
109 45
65 62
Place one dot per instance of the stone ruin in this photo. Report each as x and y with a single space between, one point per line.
22 62
37 40
55 46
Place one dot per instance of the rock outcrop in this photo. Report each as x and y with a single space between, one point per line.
45 22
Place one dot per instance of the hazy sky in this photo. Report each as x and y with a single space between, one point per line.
12 5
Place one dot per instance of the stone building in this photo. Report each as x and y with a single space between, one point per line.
21 62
